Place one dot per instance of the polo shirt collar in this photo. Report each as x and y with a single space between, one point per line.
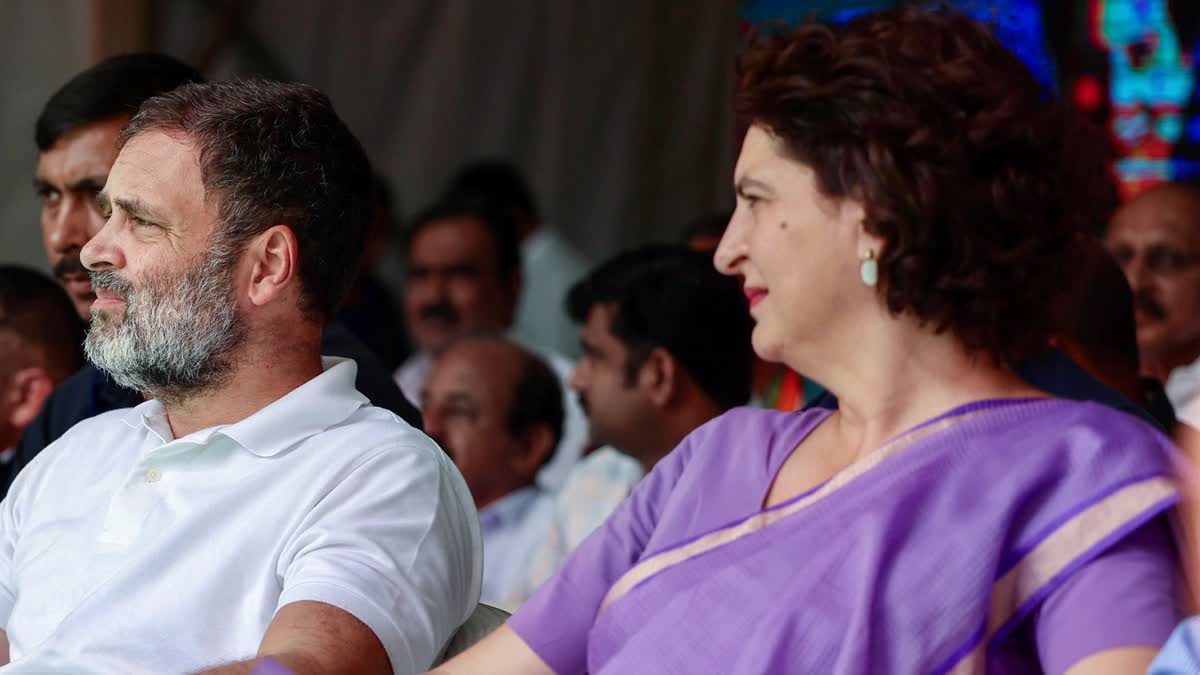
311 408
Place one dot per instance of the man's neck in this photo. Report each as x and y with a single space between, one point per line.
256 383
1159 365
673 428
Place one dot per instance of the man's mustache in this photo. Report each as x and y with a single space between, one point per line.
110 281
69 265
442 311
1149 306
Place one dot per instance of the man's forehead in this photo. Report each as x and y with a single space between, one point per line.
1166 217
471 371
87 150
158 169
452 241
597 329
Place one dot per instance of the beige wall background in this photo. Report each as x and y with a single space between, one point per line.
619 112
41 45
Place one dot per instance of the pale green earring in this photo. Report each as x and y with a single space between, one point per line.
869 269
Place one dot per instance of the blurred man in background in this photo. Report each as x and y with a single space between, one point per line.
41 344
497 410
1099 333
549 263
1155 238
76 138
371 311
463 271
666 348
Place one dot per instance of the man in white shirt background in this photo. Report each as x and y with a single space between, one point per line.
497 409
463 276
1155 238
257 506
40 338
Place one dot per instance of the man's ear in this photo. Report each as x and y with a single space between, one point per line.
538 447
273 260
27 392
658 376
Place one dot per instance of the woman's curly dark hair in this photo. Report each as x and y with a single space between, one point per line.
975 180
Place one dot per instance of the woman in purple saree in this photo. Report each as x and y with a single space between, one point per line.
907 203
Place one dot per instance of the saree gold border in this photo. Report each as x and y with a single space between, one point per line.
760 521
1056 552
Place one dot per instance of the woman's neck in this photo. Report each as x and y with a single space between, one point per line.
902 377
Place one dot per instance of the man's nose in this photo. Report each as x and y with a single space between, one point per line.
1136 272
101 252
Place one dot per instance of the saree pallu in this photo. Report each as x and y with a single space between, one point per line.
923 557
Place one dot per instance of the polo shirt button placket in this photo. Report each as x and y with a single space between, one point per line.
153 475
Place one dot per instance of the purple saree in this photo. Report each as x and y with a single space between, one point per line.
934 554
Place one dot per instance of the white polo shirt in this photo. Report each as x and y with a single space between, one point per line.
125 550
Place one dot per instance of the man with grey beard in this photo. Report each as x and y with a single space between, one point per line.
257 507
76 136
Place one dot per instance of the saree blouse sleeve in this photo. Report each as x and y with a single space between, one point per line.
1121 598
556 620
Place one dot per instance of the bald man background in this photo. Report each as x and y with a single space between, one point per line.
1155 238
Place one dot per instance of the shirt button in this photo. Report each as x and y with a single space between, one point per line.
153 475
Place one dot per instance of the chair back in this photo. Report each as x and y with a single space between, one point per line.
482 621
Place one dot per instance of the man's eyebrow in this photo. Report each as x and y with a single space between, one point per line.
85 184
459 397
137 208
88 184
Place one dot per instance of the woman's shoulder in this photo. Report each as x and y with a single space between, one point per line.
747 424
1089 434
1076 416
744 440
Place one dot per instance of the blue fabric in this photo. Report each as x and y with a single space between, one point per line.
1054 373
1181 655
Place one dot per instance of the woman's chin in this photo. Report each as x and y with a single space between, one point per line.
766 348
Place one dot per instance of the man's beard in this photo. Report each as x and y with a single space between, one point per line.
177 334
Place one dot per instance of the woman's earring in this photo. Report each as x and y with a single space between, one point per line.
869 269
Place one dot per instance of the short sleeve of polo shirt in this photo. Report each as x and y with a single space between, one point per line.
396 545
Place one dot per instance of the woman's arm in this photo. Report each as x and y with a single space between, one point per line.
501 653
1115 612
1123 661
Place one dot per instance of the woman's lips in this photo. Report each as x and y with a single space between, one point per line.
755 295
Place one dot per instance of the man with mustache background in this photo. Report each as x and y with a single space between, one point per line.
463 277
1155 238
257 506
76 137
